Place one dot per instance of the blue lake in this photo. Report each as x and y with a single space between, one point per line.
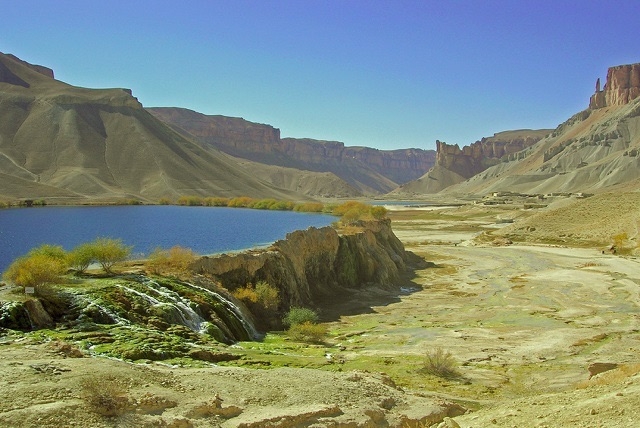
206 230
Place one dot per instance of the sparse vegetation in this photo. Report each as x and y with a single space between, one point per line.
440 363
108 252
297 315
105 396
303 325
307 332
262 299
81 257
42 265
350 211
177 259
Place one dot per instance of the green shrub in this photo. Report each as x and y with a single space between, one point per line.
440 363
307 332
165 201
81 257
216 202
268 296
309 207
378 212
108 252
241 202
262 298
264 204
53 251
190 201
298 315
36 268
352 211
282 206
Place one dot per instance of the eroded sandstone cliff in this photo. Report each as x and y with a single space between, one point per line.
369 170
454 164
621 87
314 266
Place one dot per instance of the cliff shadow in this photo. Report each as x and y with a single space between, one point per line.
365 299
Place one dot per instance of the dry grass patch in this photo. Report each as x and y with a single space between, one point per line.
588 265
440 363
105 396
611 377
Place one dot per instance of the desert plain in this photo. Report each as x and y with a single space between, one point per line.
544 331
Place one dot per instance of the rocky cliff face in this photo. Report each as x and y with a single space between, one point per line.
595 150
454 165
315 265
475 158
367 169
622 86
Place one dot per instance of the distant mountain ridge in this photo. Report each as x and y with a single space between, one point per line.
364 169
596 150
455 165
66 143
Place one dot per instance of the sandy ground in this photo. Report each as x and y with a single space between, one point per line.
527 322
524 322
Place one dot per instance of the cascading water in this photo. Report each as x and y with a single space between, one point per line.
176 304
235 309
177 309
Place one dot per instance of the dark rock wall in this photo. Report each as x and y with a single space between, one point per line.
315 264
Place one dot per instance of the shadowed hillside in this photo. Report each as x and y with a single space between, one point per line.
70 143
324 168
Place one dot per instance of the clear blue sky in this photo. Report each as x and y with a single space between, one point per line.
384 74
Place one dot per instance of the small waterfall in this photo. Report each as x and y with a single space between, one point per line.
89 306
178 309
176 304
235 310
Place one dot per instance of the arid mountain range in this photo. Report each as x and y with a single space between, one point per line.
596 150
64 143
362 170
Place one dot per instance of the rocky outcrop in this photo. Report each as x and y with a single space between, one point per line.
593 151
622 86
454 165
370 170
475 158
315 264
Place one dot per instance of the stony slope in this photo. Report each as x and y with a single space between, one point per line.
596 150
61 141
455 165
367 170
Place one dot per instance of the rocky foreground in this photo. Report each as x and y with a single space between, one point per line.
541 334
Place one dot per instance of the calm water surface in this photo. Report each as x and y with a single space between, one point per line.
205 230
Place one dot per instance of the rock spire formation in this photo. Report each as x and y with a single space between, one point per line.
621 87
